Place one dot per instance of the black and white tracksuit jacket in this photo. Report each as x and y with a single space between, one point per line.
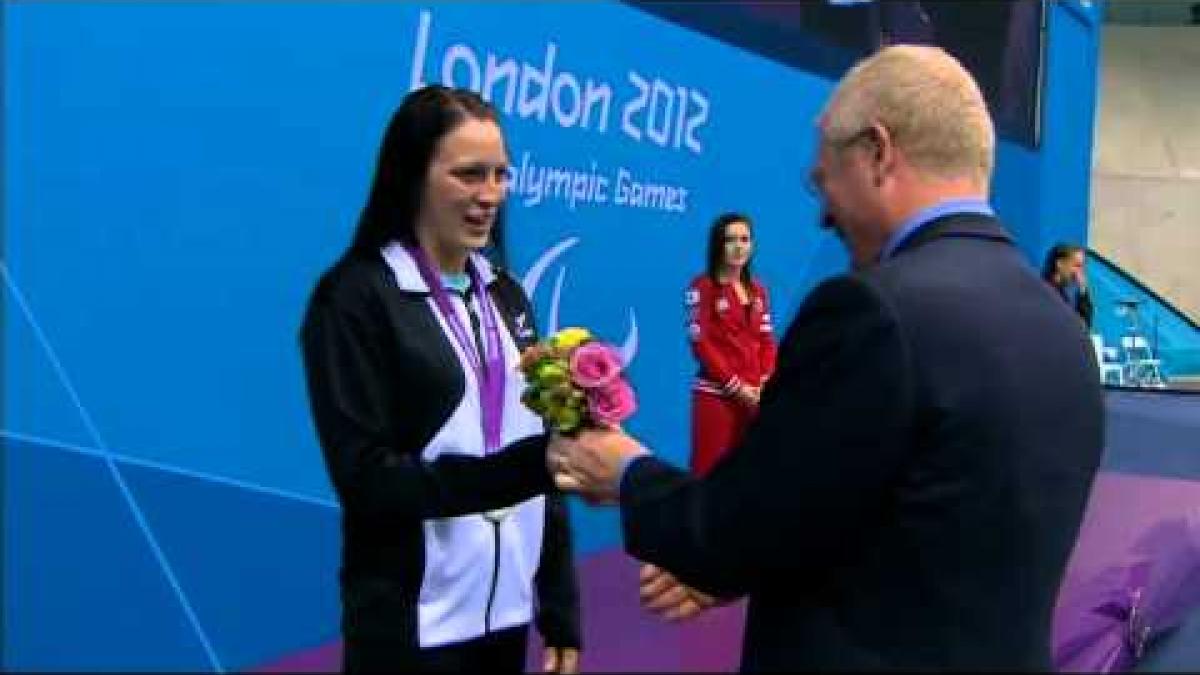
397 411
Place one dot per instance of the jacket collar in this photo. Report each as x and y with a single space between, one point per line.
957 225
408 275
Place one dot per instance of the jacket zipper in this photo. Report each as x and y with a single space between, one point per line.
487 616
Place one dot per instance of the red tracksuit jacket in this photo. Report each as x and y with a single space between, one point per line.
734 343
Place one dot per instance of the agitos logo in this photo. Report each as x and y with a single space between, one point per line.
533 278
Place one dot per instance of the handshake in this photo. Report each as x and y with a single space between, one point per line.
576 384
591 465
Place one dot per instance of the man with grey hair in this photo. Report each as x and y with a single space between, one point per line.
912 488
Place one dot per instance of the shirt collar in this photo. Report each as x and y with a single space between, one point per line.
930 214
459 283
408 277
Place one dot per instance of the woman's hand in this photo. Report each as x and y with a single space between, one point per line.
560 660
748 395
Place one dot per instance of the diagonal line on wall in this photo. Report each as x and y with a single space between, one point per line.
168 468
130 500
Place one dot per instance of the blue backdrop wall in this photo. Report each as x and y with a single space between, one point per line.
176 175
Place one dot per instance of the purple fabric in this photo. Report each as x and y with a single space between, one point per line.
1112 616
1096 640
1173 587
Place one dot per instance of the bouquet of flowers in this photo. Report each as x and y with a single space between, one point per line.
575 381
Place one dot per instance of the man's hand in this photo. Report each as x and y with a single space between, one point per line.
560 660
590 464
664 595
1081 279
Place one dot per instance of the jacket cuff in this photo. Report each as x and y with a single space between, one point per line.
559 629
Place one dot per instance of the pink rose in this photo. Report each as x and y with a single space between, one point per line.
612 403
595 364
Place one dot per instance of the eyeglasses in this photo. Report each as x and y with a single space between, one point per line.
815 178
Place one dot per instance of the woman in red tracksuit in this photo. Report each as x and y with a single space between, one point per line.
729 325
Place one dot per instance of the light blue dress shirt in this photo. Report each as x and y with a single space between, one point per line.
930 214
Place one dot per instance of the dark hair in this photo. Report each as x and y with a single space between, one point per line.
716 244
1060 251
423 118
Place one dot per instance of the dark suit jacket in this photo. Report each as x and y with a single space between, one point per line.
913 486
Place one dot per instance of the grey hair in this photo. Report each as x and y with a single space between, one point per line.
927 101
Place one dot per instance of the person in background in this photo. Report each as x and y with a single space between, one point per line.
729 326
453 538
1064 271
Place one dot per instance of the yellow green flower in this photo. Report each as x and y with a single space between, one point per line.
546 399
567 419
532 399
570 338
549 373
